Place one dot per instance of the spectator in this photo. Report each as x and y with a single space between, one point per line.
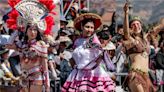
5 65
70 27
159 66
110 49
2 30
51 52
65 56
63 23
118 37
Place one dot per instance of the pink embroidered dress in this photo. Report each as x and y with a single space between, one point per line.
84 77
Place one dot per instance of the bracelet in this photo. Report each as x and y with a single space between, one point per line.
126 12
46 75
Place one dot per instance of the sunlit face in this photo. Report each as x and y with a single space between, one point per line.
120 31
111 53
88 29
62 24
136 26
5 55
104 42
155 43
32 33
62 46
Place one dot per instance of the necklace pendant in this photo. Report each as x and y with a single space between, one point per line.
145 54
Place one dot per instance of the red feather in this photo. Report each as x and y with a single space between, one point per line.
14 27
12 3
50 22
49 4
12 21
13 15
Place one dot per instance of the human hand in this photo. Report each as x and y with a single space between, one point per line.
61 55
126 8
47 89
10 46
16 78
113 77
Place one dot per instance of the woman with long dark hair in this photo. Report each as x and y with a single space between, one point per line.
137 49
33 19
33 60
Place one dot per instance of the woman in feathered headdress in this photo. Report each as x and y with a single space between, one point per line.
33 18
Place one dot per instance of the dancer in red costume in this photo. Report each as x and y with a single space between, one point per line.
33 18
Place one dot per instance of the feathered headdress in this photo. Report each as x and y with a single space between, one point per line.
31 11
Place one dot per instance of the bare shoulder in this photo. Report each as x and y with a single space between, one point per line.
130 40
129 43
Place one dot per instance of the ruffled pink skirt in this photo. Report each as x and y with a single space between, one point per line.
88 84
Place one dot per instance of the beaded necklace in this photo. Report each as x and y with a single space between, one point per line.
144 45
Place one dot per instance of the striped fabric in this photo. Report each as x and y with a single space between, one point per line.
40 50
85 77
92 84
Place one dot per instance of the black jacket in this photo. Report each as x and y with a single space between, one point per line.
159 60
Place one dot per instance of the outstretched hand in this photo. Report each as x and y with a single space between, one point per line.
10 46
126 8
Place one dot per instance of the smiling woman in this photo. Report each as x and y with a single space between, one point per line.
33 18
137 48
32 32
34 60
88 28
88 74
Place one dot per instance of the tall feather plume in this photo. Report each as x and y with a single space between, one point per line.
49 4
50 23
13 15
12 21
12 3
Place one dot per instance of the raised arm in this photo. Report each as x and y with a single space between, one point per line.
157 29
126 22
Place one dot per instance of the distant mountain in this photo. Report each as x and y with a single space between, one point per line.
149 10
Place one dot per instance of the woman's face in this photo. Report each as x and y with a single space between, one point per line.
88 29
155 43
5 55
32 33
136 26
120 31
111 53
104 42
